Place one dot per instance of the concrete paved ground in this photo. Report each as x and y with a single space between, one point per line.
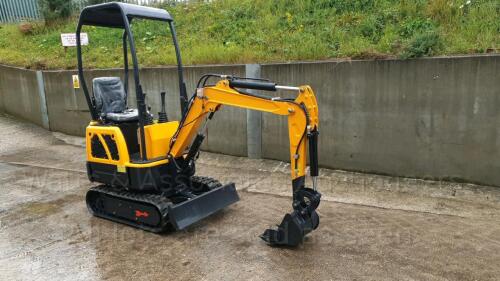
372 227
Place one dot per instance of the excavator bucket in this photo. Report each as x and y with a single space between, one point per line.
296 225
191 211
292 230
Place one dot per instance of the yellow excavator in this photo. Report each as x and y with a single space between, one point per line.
145 166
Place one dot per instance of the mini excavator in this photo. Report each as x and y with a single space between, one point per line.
145 167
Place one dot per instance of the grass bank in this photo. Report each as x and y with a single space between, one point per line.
242 31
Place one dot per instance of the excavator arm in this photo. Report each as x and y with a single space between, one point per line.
302 113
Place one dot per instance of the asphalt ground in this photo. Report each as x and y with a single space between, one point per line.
372 227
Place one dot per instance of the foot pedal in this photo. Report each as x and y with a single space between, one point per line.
191 211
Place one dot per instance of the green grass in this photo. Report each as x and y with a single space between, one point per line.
243 31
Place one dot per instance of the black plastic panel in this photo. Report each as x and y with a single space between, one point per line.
97 148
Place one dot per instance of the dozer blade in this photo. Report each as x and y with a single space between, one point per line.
189 212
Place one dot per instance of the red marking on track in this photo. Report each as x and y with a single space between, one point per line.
139 214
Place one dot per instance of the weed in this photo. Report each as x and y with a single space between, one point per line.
241 31
424 44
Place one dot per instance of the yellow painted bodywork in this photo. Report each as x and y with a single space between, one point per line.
157 137
121 145
210 99
124 159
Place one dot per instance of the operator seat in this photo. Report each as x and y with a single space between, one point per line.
111 100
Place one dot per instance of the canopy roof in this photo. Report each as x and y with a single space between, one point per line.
111 14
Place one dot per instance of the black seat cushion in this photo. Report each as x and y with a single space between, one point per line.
111 100
127 115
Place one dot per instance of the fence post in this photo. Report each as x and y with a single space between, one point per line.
254 119
43 101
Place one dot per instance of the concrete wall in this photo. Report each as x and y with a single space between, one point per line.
69 113
227 132
426 118
19 94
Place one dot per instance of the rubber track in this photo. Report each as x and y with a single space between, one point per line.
161 203
210 183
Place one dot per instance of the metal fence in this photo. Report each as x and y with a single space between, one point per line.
19 10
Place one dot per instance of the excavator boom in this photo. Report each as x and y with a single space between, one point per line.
303 119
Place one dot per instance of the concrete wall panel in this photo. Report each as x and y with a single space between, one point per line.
226 132
68 109
19 94
427 118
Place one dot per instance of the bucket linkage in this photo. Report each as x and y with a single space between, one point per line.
296 225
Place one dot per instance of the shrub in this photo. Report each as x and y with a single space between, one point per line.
53 10
26 28
424 44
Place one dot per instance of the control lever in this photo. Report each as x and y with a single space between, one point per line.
162 115
148 117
